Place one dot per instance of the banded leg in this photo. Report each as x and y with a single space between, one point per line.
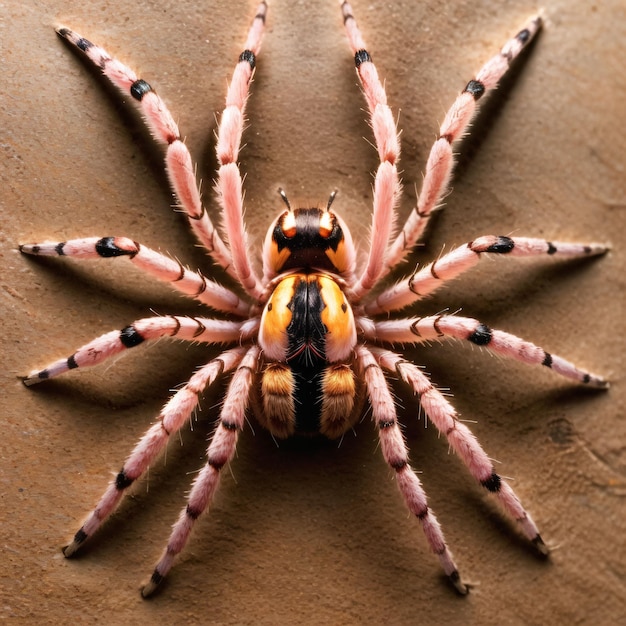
229 182
395 453
387 183
435 327
158 265
171 419
179 166
425 281
199 329
443 415
441 160
220 452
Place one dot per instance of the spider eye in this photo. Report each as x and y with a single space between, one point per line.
326 225
288 224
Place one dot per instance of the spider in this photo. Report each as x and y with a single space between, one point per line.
309 341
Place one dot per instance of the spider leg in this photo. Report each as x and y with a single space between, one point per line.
387 183
395 453
422 329
179 166
229 183
199 329
443 415
158 265
171 419
441 161
425 281
220 452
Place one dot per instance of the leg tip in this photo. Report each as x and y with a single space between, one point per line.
597 382
69 550
64 32
460 587
152 585
31 379
542 548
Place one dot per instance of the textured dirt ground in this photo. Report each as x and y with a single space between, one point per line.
314 534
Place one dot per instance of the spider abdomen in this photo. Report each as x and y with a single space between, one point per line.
307 335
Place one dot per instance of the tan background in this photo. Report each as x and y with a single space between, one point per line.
314 534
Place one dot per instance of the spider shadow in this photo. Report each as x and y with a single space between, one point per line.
311 493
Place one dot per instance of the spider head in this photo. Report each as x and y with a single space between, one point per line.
309 239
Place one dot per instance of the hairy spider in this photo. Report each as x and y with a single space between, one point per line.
309 343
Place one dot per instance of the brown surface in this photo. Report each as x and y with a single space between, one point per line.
314 535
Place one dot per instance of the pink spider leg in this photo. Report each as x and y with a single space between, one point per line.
429 278
422 329
229 183
158 265
179 166
220 452
387 183
441 161
199 329
443 415
172 418
395 453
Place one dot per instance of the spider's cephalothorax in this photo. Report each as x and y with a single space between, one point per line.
309 342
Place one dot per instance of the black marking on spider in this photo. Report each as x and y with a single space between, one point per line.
107 248
71 362
82 43
130 337
547 359
261 16
436 326
248 56
308 247
492 483
122 481
523 36
423 514
398 465
192 513
362 56
475 88
306 352
216 465
551 248
482 335
201 327
80 536
139 89
59 248
177 329
502 245
347 16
